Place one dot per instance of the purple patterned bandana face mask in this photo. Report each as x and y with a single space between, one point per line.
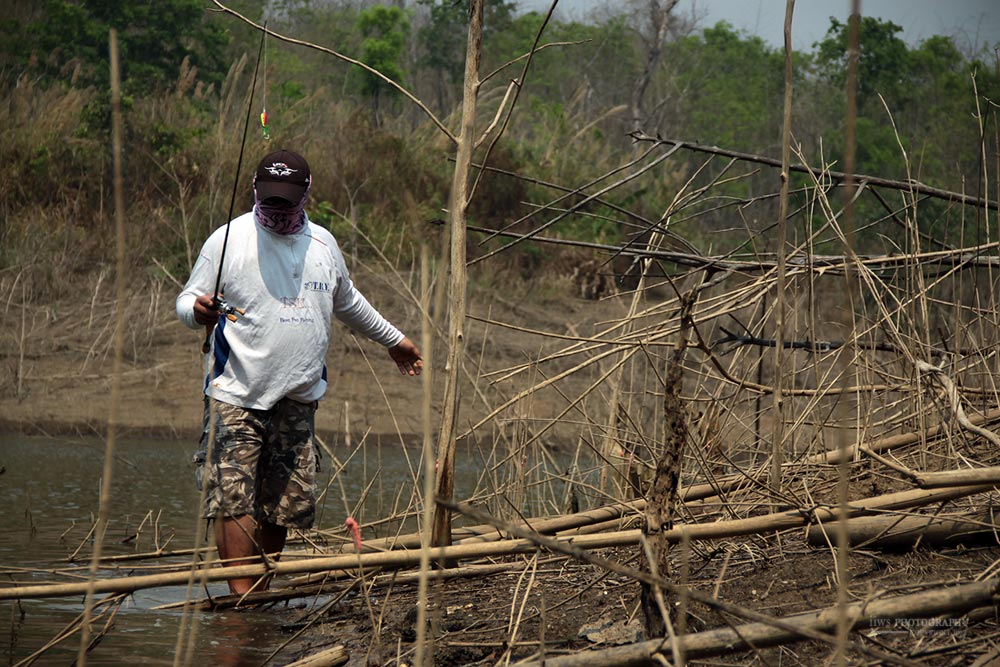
287 219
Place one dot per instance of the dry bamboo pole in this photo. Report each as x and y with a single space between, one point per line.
903 532
944 600
705 491
426 341
114 415
901 440
936 480
331 657
401 559
778 428
842 614
441 532
312 588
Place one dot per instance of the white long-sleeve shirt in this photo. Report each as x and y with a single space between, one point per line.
289 286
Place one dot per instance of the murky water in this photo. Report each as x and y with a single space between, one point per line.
49 495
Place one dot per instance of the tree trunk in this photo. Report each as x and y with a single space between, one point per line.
662 499
457 287
659 16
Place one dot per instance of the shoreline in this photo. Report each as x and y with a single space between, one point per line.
161 432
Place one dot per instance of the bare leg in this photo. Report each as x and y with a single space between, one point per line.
240 538
272 538
234 537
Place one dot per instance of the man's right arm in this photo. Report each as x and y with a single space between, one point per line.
194 304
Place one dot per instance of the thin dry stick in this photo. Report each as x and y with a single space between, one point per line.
119 338
841 176
778 427
844 622
423 650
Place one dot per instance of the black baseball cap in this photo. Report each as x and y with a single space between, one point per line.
282 174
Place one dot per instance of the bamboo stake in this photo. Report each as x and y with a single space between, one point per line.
426 342
843 571
778 427
119 343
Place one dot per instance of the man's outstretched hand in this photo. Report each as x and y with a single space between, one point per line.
407 357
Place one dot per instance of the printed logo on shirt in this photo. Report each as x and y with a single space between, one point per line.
317 286
296 302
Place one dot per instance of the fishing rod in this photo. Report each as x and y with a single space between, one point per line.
218 302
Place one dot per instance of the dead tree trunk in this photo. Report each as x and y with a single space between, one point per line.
659 17
457 287
662 498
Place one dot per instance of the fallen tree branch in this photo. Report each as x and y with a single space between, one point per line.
911 186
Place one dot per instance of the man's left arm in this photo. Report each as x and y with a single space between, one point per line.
352 308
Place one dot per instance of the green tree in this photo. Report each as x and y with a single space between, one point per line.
154 39
442 38
384 30
883 58
726 85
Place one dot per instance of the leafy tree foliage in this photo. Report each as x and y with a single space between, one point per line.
441 39
920 99
725 87
882 57
918 113
154 39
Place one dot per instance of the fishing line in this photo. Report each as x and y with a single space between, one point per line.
216 298
265 131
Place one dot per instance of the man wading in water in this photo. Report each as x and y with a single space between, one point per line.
286 278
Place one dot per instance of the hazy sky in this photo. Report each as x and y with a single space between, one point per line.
971 22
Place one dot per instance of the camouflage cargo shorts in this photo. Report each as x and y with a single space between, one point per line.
264 463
